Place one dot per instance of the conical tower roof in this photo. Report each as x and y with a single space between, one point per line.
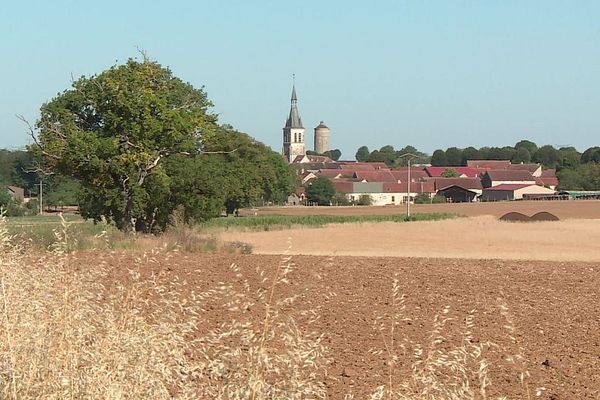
294 120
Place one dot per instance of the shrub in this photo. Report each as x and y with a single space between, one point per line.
340 199
422 198
365 200
438 199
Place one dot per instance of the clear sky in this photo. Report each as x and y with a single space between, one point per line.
431 74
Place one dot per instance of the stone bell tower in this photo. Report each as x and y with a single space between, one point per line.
293 132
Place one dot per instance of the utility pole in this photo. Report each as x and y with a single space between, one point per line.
41 197
409 155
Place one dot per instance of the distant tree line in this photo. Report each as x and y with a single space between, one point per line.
334 154
391 156
524 151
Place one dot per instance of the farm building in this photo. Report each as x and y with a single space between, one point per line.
533 169
382 193
513 192
580 194
16 193
458 194
504 177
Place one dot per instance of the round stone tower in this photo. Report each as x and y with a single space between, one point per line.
321 138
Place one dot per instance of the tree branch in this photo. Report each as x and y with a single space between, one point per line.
219 152
34 138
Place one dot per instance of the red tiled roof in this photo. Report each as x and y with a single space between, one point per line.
375 176
506 175
509 186
415 187
415 174
549 173
547 181
524 167
438 171
363 166
465 183
488 164
331 173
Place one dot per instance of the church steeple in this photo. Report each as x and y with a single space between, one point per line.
294 98
294 120
293 131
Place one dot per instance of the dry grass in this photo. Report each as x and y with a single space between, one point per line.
65 335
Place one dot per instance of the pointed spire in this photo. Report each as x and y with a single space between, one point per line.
294 120
294 98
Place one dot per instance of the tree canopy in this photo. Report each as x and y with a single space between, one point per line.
391 156
320 190
116 131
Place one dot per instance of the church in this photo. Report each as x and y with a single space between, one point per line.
294 148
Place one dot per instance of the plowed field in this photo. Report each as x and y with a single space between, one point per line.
553 306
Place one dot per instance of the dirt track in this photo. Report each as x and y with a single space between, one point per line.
475 238
554 306
562 209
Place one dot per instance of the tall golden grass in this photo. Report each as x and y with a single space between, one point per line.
65 335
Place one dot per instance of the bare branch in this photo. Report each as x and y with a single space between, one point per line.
34 138
38 170
143 53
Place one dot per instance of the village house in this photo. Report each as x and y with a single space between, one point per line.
458 190
16 193
505 177
513 192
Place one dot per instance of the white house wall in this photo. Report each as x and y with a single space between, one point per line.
534 189
382 199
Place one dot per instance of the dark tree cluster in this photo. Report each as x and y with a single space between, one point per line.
524 151
392 157
334 154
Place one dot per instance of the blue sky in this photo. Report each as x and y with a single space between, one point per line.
431 74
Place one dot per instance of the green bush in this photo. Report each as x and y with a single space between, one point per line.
423 198
340 199
438 199
365 200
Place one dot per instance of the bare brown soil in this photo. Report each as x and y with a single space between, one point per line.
562 209
481 237
554 306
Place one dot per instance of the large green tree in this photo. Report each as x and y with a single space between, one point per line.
521 155
547 155
438 158
321 191
591 155
583 177
362 154
530 146
454 156
113 131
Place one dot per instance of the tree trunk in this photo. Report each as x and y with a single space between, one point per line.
127 220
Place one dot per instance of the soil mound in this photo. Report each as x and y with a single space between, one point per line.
544 216
515 217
